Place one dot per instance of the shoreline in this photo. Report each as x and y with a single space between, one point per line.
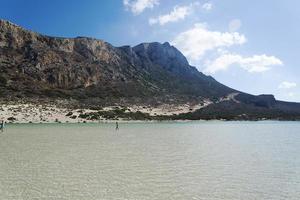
28 113
145 121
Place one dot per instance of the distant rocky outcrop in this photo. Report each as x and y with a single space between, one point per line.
91 71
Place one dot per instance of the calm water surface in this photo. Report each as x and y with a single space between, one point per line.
191 160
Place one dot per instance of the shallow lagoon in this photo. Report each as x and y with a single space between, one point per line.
175 160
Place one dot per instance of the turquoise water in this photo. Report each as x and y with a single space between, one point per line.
182 160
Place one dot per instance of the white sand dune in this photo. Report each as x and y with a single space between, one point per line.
34 113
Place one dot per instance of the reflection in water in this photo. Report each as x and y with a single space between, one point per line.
192 160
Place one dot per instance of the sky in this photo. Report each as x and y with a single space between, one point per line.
252 46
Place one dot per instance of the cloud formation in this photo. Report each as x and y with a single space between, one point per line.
195 42
287 85
178 13
291 94
256 63
207 6
138 6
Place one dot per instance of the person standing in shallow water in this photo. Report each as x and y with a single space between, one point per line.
2 126
117 126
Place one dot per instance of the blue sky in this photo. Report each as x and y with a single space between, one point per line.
251 46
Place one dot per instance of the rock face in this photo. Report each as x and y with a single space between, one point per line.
34 64
90 70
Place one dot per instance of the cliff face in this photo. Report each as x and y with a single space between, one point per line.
34 64
93 71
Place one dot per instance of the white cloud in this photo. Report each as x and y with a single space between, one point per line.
234 25
177 14
287 85
195 42
207 6
138 6
256 63
291 94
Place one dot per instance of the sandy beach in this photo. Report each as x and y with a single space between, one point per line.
58 113
50 113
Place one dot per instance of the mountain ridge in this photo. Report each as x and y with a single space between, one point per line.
92 71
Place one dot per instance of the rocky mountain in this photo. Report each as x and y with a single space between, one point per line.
91 71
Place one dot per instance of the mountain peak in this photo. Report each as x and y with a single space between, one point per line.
7 26
7 23
163 54
166 44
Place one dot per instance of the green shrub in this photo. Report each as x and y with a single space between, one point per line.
3 81
11 119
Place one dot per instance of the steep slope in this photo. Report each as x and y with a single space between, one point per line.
36 65
93 72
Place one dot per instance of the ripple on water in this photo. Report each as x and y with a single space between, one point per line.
193 160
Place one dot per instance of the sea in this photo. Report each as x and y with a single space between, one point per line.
205 160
